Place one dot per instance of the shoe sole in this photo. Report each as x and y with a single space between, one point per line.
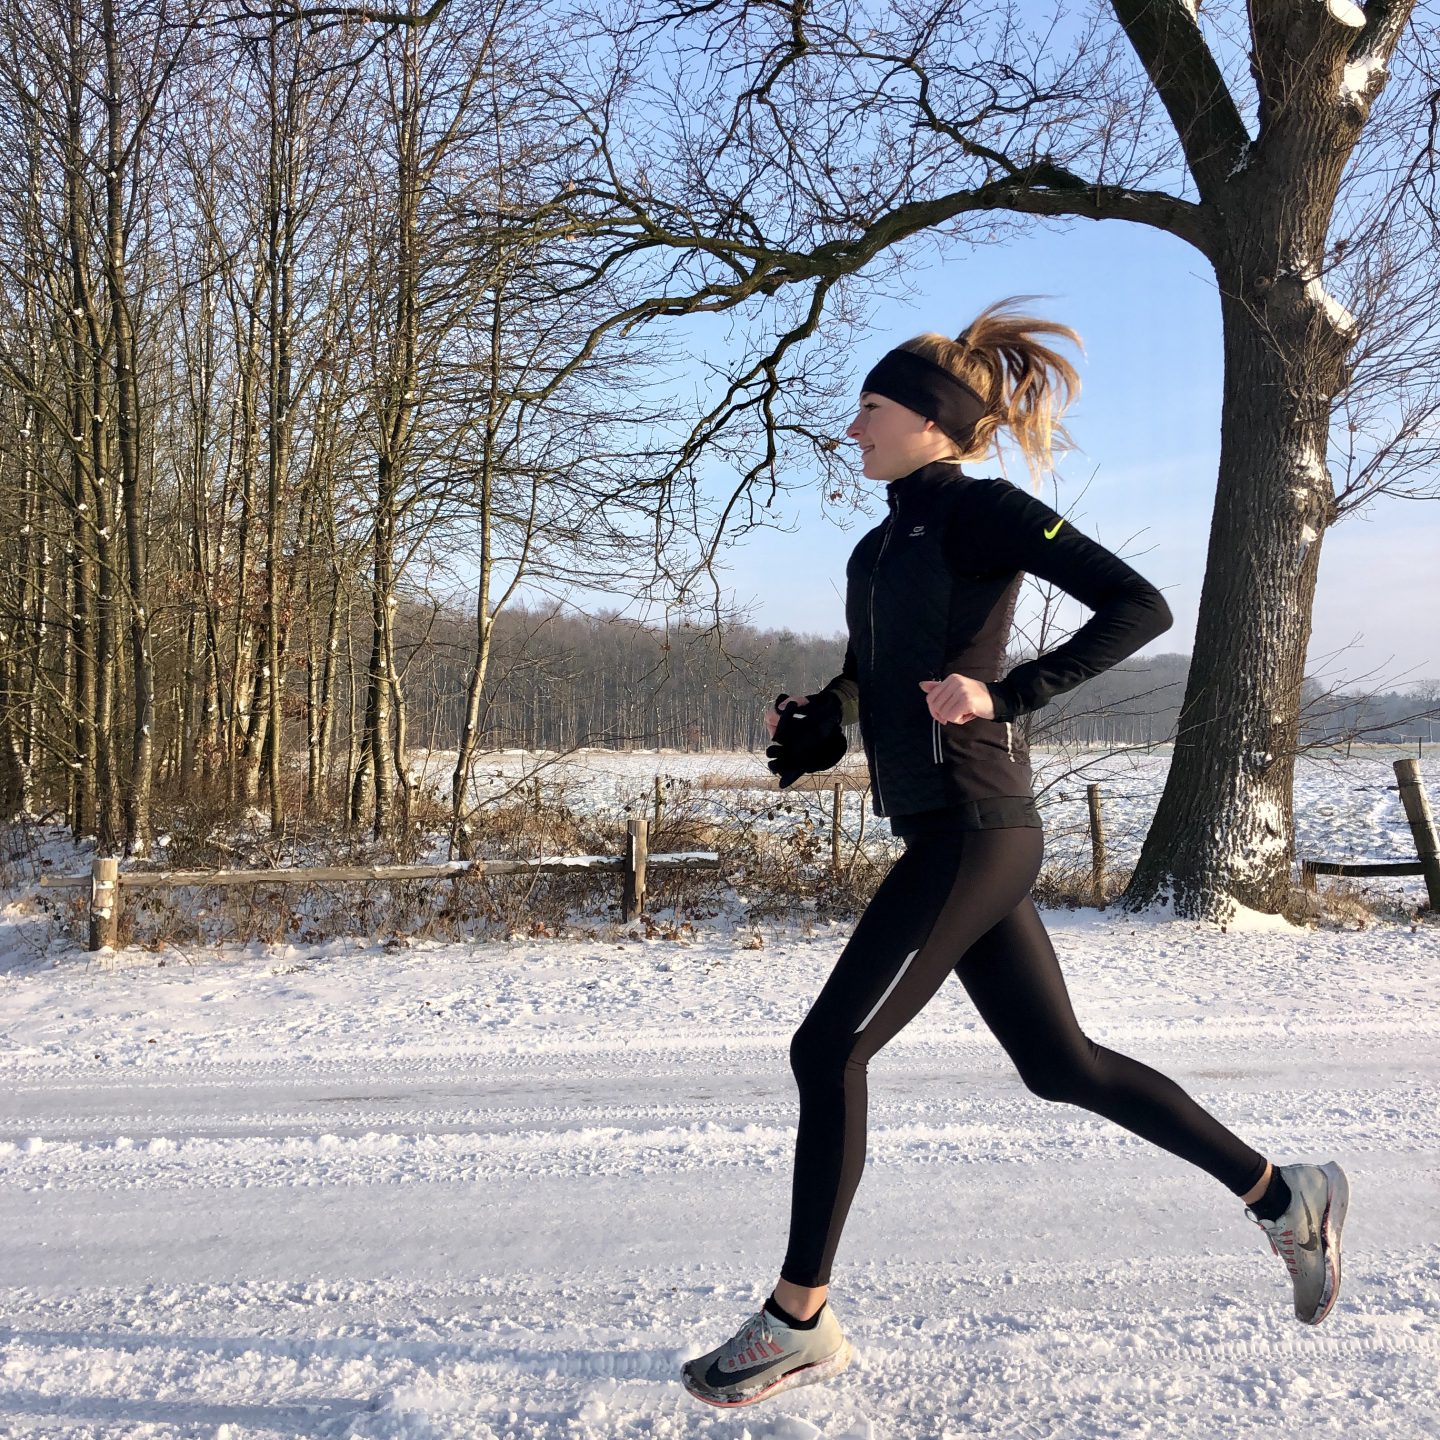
1337 1202
811 1374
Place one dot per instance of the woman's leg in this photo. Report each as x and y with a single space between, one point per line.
941 896
1013 977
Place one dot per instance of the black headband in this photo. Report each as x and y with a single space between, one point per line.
928 389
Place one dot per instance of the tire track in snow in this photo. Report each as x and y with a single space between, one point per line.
993 1131
540 1051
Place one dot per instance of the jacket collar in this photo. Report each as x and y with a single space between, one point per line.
936 472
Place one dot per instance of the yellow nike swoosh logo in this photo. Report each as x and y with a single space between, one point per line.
1051 534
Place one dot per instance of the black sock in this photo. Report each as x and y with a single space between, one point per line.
1271 1205
775 1308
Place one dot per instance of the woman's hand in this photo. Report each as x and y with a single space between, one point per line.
958 698
772 715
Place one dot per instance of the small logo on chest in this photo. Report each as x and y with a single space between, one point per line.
918 530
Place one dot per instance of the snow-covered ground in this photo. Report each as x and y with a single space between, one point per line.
505 1189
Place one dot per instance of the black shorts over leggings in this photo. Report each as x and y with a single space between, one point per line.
960 900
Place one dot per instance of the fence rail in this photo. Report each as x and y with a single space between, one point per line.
1345 867
107 882
1416 803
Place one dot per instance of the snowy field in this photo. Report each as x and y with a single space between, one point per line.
505 1189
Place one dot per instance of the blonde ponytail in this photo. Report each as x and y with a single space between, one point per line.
1026 385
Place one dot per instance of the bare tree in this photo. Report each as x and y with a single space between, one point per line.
744 148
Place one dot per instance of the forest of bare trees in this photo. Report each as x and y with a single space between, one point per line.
272 351
558 682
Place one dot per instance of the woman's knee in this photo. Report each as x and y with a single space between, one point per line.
818 1055
1066 1078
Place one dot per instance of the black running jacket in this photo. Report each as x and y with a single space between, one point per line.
931 591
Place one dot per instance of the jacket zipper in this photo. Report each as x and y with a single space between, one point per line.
875 570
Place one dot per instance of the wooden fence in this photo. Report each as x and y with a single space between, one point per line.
1416 804
107 882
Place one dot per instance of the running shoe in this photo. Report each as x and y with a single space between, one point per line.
1307 1236
764 1357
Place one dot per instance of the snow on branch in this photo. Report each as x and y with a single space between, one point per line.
1347 13
1301 271
1370 54
1360 76
1339 316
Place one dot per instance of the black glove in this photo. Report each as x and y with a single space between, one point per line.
808 737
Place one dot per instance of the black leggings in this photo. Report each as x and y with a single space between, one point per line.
960 901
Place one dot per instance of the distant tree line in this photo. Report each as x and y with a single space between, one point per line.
559 681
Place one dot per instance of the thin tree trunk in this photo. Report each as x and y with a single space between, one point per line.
242 645
378 693
127 397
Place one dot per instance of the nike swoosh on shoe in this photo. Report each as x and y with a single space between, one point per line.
715 1378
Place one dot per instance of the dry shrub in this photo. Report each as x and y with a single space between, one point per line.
1069 887
785 873
1339 902
536 823
206 830
217 833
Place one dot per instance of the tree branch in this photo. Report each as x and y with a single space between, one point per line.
1165 35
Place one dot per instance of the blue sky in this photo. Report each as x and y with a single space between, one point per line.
1148 422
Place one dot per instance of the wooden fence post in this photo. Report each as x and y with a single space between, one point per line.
835 792
860 834
637 845
1097 846
104 903
1422 825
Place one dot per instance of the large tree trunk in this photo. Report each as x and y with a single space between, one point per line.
1223 833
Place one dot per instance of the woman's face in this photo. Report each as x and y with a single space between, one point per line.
894 440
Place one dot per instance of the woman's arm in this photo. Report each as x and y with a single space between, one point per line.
1016 531
845 687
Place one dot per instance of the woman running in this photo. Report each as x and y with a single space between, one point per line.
930 597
